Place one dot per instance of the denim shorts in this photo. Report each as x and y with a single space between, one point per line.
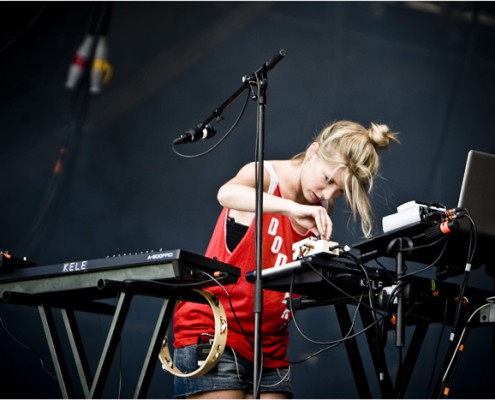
231 373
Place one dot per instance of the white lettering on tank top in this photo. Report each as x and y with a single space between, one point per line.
273 226
277 243
281 259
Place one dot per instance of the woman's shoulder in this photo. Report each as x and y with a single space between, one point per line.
275 172
284 168
271 167
281 165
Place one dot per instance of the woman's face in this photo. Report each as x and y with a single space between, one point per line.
320 182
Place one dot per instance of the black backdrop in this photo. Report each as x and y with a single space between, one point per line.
427 69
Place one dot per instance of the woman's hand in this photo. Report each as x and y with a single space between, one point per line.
313 218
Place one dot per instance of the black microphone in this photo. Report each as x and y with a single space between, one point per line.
198 133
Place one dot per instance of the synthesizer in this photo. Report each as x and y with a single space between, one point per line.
326 279
176 266
322 276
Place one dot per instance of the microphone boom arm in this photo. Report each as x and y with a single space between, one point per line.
247 81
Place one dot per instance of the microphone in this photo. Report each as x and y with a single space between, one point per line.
199 133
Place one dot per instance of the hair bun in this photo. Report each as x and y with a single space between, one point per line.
380 135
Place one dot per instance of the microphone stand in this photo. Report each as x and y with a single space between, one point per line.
258 284
397 246
259 79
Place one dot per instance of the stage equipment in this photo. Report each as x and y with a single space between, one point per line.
217 345
93 50
256 83
345 278
85 285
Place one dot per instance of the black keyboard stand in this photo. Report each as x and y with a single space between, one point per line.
375 345
420 309
170 275
93 386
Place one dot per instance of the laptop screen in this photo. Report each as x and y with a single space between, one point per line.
478 191
478 197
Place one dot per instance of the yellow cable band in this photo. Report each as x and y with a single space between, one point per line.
99 64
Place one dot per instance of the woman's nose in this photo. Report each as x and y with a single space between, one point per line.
330 193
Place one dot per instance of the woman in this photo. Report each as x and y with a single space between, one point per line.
298 199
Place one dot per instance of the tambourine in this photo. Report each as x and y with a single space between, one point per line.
218 345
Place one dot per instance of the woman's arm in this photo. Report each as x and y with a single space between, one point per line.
239 193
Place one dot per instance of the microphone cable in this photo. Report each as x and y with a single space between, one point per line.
223 138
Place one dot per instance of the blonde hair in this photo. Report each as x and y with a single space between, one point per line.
349 145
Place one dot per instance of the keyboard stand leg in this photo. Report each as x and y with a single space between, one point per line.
375 345
150 361
353 352
111 343
76 344
56 351
407 368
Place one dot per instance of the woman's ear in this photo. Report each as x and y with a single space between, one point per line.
312 151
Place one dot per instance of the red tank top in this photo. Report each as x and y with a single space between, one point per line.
191 319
